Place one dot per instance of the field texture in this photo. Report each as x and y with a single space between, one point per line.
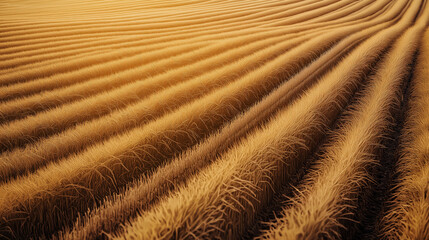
209 119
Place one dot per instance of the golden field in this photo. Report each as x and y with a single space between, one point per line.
204 119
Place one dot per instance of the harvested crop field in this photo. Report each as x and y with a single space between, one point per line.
203 119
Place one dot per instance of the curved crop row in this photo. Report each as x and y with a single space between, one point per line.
40 153
196 119
109 165
408 217
31 70
165 179
223 199
44 124
16 133
237 17
133 31
140 42
190 60
327 200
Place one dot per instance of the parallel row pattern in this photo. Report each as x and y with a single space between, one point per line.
203 119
